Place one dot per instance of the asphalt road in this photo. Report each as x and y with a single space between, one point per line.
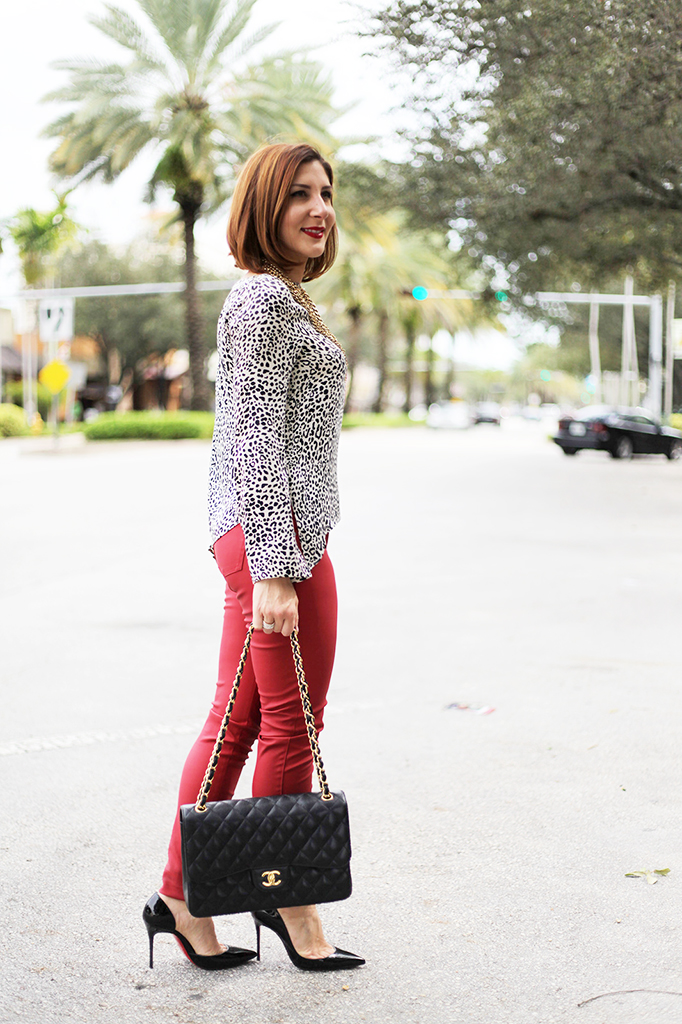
490 850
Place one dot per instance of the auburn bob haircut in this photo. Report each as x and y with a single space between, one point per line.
258 204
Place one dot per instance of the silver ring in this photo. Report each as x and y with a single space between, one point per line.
269 626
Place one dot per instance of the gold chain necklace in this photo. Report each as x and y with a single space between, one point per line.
301 296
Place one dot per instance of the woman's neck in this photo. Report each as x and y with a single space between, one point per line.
294 273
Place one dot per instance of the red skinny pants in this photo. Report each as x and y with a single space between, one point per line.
268 706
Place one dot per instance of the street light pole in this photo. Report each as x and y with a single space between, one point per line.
629 370
595 359
655 354
669 365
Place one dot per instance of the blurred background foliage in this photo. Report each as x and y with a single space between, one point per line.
179 91
543 154
548 133
547 139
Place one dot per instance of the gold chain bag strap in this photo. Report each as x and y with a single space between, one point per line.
261 853
308 715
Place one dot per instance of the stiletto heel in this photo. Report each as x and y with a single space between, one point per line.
257 924
340 959
159 918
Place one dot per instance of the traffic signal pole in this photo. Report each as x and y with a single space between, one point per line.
653 302
669 362
655 353
628 300
595 357
655 305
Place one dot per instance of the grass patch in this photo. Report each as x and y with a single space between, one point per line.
171 426
379 419
150 426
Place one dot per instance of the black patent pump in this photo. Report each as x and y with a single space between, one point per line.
159 918
340 959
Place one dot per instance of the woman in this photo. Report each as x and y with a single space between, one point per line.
272 501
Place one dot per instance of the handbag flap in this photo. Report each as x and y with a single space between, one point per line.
290 830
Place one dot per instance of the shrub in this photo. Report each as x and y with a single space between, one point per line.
675 420
14 392
150 426
12 421
379 419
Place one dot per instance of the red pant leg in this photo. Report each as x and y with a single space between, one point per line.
268 704
242 731
284 763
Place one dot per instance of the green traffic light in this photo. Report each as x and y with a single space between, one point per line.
420 293
501 296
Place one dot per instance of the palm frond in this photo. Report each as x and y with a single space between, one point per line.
123 29
281 98
239 49
84 77
229 32
75 65
293 77
170 19
111 80
133 137
101 143
208 16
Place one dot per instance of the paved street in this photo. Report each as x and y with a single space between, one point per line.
490 850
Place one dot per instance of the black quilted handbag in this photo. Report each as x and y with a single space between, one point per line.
267 851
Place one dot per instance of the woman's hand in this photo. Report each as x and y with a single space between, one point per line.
275 606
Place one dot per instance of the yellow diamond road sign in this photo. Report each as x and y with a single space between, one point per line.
54 376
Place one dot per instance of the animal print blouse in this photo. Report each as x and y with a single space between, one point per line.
279 403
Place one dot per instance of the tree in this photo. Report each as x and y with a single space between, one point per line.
127 327
380 261
130 328
179 94
39 237
549 133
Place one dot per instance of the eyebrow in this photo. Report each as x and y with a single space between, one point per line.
296 184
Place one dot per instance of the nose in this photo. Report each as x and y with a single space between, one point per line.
318 207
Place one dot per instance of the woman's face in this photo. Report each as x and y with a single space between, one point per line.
308 218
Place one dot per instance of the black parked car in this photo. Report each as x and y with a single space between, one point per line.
620 432
487 412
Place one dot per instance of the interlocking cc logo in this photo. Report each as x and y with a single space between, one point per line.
271 879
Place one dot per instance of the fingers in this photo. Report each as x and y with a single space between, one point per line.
290 623
275 607
283 624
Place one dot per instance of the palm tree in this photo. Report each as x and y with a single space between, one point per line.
179 94
380 262
39 237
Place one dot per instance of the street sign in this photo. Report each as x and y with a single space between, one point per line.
56 320
676 339
54 376
78 375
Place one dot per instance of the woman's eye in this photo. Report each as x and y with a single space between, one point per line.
299 192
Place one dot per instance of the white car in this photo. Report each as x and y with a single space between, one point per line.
449 416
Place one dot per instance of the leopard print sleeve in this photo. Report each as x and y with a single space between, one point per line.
279 400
